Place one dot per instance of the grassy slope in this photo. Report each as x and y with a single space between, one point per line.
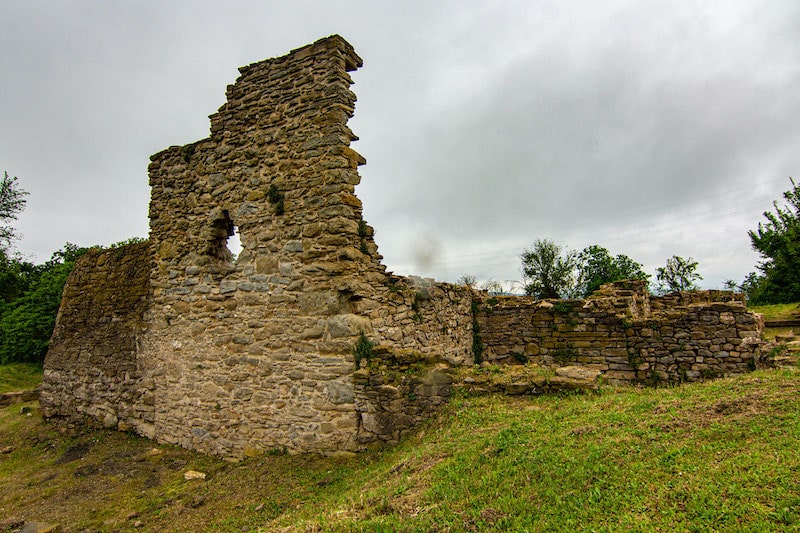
19 376
721 455
778 311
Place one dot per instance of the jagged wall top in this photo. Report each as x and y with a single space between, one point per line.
269 337
266 71
280 139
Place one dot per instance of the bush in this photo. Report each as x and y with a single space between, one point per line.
28 322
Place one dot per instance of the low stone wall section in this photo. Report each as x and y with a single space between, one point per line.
625 333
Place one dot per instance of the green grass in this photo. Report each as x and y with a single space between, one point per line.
716 456
771 333
722 455
778 311
19 376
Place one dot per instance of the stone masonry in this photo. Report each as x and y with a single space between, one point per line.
304 341
625 333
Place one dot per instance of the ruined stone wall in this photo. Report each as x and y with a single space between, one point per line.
180 341
426 334
625 333
93 372
257 352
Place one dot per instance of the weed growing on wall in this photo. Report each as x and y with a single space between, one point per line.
520 357
275 198
562 307
709 373
362 235
634 359
416 306
655 377
363 349
565 355
188 151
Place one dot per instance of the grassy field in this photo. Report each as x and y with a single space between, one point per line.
722 455
19 376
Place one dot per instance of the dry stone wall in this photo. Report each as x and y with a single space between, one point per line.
625 333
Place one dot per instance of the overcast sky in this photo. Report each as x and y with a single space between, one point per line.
652 128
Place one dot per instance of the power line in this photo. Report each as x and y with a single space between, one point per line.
503 256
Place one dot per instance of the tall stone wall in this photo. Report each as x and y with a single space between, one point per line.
254 352
625 333
93 372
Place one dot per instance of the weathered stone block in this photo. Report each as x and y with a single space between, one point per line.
348 325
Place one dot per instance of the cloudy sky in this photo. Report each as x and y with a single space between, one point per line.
652 128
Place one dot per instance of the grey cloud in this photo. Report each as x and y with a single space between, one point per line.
485 124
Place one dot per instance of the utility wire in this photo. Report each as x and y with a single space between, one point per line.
643 232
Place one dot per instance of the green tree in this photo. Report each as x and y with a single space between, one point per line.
12 201
679 274
778 242
13 272
596 266
752 287
15 277
29 294
549 271
27 321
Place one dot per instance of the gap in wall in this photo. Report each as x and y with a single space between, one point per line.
234 243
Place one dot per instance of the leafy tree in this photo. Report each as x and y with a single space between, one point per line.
752 287
549 271
679 274
27 321
13 272
596 266
12 201
778 242
29 294
27 326
12 280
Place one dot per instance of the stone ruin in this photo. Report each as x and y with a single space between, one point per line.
625 333
304 342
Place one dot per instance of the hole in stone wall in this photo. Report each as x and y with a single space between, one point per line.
223 232
234 244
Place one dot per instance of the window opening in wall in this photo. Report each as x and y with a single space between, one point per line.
234 243
226 244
